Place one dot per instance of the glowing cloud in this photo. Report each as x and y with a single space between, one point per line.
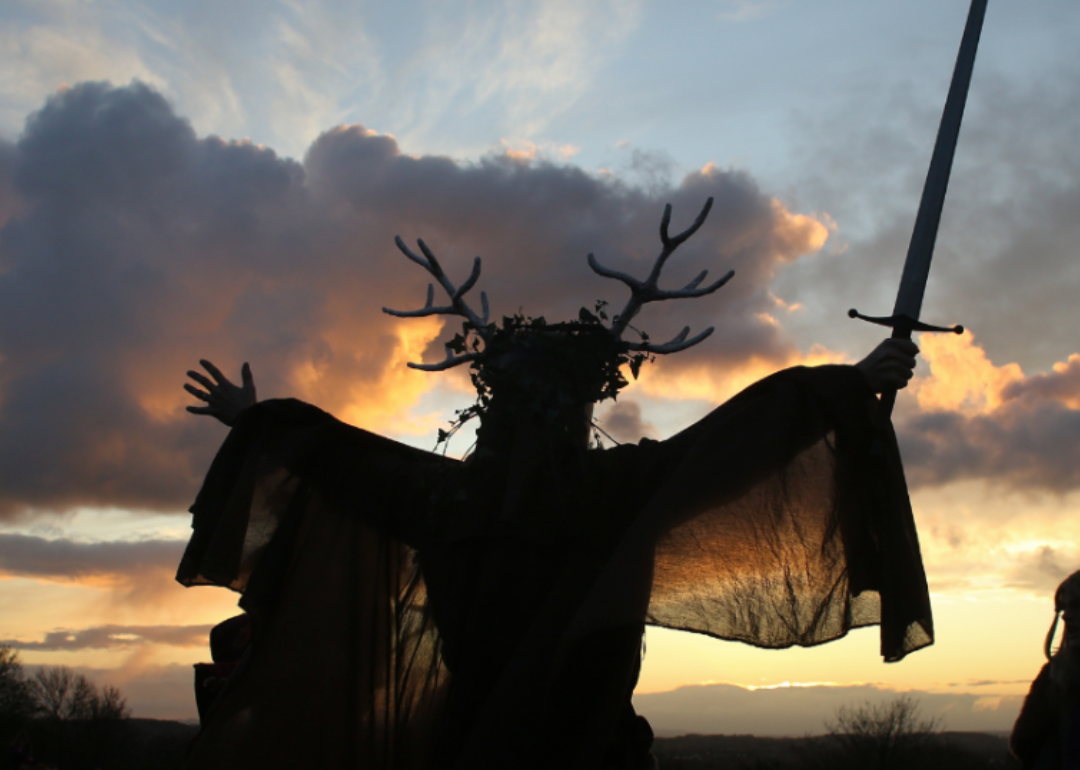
717 383
962 378
132 248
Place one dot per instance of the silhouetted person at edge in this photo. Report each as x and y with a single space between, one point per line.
1047 732
416 611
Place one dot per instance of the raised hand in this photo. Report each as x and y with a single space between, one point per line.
890 365
224 400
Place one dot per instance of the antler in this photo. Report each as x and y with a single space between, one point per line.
457 305
647 290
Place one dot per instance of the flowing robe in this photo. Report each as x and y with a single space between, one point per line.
411 610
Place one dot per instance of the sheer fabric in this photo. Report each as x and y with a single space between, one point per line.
344 668
491 611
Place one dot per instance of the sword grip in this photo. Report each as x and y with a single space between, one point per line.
902 326
885 407
901 331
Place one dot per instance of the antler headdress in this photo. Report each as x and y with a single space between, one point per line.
641 293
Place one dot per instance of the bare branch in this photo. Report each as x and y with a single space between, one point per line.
457 305
674 346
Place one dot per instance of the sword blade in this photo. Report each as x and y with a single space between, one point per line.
921 249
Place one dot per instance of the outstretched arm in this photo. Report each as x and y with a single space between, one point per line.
224 400
890 365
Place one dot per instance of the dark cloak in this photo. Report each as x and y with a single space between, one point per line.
411 610
1046 735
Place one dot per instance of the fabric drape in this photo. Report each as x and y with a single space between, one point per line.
411 610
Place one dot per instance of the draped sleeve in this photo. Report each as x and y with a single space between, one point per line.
782 518
312 521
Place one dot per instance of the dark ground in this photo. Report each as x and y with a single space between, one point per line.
124 744
952 750
150 744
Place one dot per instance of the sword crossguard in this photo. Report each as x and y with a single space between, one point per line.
904 323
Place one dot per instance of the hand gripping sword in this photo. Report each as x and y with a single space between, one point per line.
905 317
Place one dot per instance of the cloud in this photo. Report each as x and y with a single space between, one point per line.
1025 446
283 73
988 683
513 68
994 423
48 44
1005 262
743 10
308 62
134 247
963 378
115 637
1062 384
36 557
624 423
1042 570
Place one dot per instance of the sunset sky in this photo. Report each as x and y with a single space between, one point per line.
224 179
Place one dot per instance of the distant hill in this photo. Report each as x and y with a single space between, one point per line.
797 711
157 744
163 727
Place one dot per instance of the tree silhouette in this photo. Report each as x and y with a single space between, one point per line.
50 688
65 695
883 736
16 700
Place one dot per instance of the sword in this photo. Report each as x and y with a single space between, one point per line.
905 316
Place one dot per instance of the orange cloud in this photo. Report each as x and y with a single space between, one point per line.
1062 384
524 150
378 401
787 307
961 377
798 234
709 382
